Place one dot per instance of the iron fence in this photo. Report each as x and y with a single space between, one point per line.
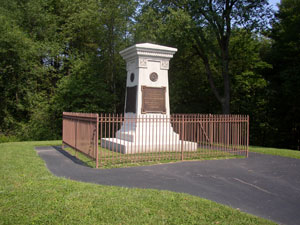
150 138
80 132
178 137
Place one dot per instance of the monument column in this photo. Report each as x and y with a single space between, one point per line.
147 106
147 84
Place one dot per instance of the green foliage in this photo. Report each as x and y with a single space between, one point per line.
60 56
25 50
4 138
189 88
248 86
189 85
207 27
17 55
63 55
284 78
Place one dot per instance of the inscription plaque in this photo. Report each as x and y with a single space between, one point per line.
131 99
153 99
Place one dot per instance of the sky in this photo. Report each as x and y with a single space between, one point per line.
273 3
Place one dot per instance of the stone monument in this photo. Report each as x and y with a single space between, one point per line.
146 126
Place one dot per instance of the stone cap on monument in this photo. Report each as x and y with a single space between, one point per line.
148 50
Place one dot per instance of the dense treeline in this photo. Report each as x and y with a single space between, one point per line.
233 57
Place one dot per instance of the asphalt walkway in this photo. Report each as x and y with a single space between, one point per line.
262 185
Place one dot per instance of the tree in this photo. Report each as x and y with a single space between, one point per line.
284 78
208 24
250 90
116 17
20 67
60 55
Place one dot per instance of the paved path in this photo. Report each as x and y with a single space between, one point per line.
263 185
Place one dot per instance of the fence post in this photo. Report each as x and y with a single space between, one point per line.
101 135
247 146
182 136
76 121
62 144
211 133
97 140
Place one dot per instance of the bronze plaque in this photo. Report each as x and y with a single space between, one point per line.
153 99
153 77
131 99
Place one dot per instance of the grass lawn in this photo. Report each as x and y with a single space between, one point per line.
30 194
276 151
110 159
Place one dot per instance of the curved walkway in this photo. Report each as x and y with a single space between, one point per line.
263 185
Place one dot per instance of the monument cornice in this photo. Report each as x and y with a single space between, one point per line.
148 50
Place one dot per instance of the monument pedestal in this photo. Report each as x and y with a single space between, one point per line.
127 147
147 126
147 134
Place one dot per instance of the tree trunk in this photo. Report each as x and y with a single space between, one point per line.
225 100
226 105
225 73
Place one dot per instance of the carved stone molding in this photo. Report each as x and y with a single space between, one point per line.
142 62
154 54
164 65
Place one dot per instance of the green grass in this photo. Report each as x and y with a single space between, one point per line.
30 194
111 159
276 151
4 138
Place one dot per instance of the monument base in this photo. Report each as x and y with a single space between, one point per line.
128 147
144 135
